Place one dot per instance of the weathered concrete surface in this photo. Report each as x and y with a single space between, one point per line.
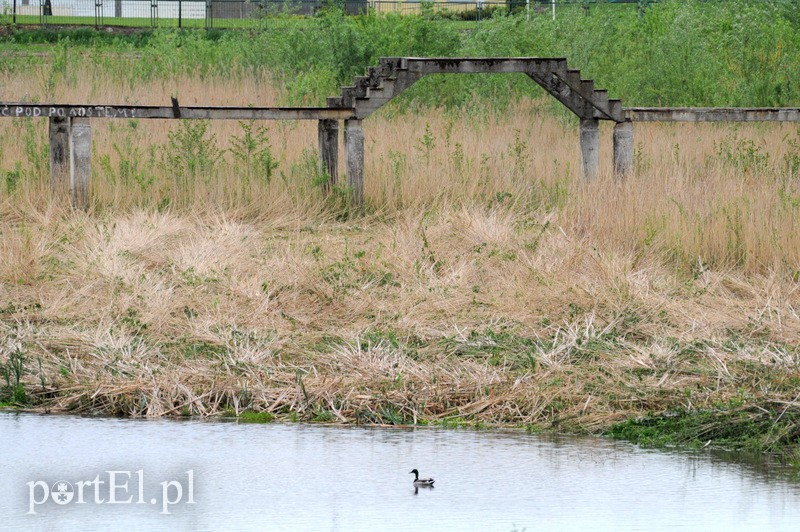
19 110
590 148
59 156
329 151
368 93
80 143
473 65
712 114
623 148
354 159
559 89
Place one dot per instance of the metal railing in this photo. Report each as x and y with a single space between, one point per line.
247 13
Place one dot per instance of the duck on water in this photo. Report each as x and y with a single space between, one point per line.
421 482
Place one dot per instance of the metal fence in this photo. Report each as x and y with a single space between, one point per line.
246 13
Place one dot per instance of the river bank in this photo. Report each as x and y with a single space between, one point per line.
483 283
468 315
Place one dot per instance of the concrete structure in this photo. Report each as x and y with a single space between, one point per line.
367 94
713 114
70 133
329 151
70 159
354 159
623 148
589 129
393 75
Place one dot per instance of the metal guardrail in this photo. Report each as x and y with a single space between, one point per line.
246 13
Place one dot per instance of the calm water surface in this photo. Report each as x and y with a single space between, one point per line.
302 477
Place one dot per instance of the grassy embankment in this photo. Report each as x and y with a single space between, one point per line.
484 284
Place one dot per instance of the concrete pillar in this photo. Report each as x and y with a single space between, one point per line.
59 156
354 159
590 148
80 144
623 149
329 151
70 159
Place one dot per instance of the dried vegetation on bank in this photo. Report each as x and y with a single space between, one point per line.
483 284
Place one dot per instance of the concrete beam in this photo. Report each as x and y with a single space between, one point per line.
590 148
329 151
471 65
19 110
354 160
623 149
712 114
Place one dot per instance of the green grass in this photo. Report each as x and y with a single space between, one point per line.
732 426
677 53
256 417
13 396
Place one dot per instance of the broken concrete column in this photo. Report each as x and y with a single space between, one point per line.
329 151
80 143
59 156
623 149
590 148
354 159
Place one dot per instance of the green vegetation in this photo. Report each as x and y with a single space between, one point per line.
746 428
256 417
742 52
12 369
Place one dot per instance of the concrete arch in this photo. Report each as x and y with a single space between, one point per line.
393 75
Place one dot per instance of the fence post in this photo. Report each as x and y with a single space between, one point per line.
59 156
180 13
80 147
329 152
590 147
14 13
354 159
623 149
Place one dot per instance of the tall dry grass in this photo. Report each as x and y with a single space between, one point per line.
725 195
485 281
